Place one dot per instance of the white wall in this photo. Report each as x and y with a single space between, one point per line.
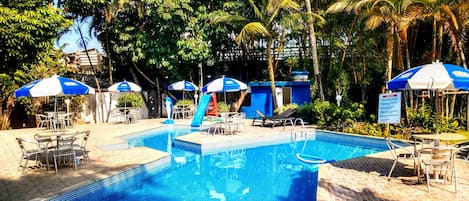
93 110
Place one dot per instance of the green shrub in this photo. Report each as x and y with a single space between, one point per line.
285 108
223 107
130 100
185 102
329 115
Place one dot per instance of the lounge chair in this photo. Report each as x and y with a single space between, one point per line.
260 116
283 118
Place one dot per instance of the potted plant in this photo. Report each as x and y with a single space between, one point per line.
297 72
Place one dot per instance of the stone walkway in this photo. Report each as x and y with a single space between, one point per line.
357 179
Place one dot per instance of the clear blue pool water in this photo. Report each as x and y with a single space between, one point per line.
261 173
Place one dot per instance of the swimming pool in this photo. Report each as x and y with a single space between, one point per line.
262 173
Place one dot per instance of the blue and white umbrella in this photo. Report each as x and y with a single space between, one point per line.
224 84
434 76
54 86
437 76
125 86
183 86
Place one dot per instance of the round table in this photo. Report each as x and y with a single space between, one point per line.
441 136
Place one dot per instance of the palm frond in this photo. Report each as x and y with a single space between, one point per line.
251 31
339 6
452 20
373 22
287 5
225 17
293 22
257 12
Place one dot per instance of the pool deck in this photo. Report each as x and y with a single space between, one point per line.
356 179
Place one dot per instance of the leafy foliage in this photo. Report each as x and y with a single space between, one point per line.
27 32
185 102
130 100
27 29
285 108
328 115
223 107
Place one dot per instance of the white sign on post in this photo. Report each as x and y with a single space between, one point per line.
389 110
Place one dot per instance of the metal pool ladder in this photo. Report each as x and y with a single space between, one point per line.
300 134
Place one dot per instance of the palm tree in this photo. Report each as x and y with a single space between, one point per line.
448 16
266 25
313 46
398 15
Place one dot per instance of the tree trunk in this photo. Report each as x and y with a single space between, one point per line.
143 74
434 40
100 97
440 41
314 52
240 100
389 51
270 68
461 53
349 34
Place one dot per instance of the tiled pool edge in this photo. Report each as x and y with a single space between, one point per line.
78 191
214 147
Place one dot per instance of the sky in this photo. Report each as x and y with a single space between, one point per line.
72 37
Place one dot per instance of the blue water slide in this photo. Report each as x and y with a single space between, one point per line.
200 112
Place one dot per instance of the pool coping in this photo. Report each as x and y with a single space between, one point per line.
76 191
203 148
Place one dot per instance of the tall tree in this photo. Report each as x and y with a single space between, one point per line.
27 33
377 12
265 25
448 16
313 46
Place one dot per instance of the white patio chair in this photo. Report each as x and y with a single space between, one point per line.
440 165
400 152
116 116
43 121
79 145
30 151
178 112
64 152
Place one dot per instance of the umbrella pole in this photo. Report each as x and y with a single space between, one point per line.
125 107
437 111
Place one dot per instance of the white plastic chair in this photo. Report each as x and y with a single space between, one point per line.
30 151
441 164
65 149
401 153
43 121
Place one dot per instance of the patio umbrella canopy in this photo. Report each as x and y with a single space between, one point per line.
224 84
53 86
183 86
125 86
432 76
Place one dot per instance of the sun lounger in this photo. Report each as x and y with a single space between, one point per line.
282 118
260 116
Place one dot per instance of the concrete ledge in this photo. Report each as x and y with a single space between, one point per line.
199 142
